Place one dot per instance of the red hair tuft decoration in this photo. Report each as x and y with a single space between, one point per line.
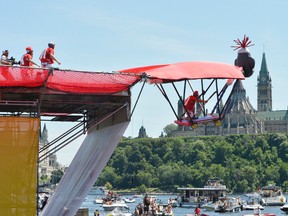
242 44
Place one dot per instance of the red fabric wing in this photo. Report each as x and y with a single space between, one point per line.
189 70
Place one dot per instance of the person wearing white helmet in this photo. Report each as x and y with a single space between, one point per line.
26 59
47 57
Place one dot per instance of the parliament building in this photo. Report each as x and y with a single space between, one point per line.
241 117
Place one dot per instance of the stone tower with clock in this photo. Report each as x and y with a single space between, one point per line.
264 88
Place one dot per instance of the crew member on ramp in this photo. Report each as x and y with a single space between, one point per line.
4 58
26 59
47 57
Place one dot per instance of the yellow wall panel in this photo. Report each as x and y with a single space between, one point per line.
19 139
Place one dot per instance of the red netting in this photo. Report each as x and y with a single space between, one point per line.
22 77
67 81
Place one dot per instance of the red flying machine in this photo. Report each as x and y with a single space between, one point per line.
212 72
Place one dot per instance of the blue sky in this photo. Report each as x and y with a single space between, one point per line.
112 35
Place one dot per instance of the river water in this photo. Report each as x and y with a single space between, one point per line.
92 206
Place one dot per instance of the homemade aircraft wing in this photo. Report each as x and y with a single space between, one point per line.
188 71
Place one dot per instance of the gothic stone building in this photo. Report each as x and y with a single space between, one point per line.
241 117
50 163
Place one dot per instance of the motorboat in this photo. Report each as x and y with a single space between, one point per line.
212 190
284 208
228 204
129 200
210 206
110 198
138 196
114 205
272 196
99 200
252 202
164 214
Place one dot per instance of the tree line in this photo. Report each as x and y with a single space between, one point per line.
244 162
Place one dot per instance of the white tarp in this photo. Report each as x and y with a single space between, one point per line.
84 170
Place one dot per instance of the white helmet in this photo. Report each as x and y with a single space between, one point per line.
51 44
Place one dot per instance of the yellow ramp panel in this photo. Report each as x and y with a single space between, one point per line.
19 139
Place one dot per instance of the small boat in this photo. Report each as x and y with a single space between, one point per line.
272 196
228 204
99 200
284 208
129 200
112 206
209 206
252 202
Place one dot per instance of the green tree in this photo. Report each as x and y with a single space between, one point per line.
142 189
107 175
144 178
165 175
44 179
244 162
285 186
56 176
222 150
108 185
120 161
283 150
241 186
249 173
272 174
169 128
217 170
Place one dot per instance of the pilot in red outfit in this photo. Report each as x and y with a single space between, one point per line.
190 102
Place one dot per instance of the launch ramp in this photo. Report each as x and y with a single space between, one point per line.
101 101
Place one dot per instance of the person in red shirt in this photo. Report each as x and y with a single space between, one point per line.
190 102
197 211
47 57
26 59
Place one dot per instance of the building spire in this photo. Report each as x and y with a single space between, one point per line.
264 87
264 68
45 134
